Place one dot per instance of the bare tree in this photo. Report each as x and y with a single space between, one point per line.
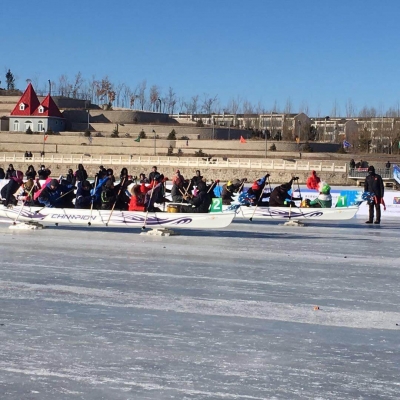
366 112
208 102
234 105
335 109
154 96
350 109
288 106
141 93
170 101
118 91
304 107
78 82
64 86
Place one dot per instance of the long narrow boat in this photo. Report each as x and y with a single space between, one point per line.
295 213
122 219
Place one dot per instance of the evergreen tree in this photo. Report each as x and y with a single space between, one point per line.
10 80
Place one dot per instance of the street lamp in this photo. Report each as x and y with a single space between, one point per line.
155 147
326 119
159 106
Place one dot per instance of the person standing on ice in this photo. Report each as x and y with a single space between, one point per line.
313 180
374 185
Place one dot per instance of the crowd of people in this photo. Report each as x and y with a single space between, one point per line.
147 193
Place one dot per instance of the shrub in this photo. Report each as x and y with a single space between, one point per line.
272 147
170 151
200 153
200 123
180 152
87 133
114 134
29 131
341 150
49 132
142 134
98 134
184 138
172 135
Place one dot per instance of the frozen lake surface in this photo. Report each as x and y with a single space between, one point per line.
229 314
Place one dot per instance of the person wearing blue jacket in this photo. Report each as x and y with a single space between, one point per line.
57 195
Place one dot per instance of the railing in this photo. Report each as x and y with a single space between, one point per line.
361 173
192 162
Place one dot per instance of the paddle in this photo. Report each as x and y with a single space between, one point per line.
40 209
147 212
116 199
91 206
259 197
23 205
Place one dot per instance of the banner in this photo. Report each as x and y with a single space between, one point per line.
396 173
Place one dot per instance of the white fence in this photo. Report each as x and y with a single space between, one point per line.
192 162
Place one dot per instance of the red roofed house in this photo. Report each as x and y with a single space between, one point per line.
40 117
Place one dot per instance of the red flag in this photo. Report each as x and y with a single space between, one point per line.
242 139
45 137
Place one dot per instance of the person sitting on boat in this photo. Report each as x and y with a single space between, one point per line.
178 177
199 203
313 180
143 179
324 199
108 195
138 193
178 190
229 189
256 193
156 194
10 189
83 197
280 196
27 191
2 173
153 173
57 195
110 175
197 178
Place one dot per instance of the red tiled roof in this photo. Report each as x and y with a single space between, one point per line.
29 99
50 108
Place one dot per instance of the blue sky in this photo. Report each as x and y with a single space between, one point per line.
311 53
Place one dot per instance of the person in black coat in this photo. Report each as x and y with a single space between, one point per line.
199 203
2 173
30 172
197 178
10 172
83 196
43 173
81 174
280 196
8 191
374 184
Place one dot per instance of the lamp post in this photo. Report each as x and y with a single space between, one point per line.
159 106
326 119
299 131
44 141
88 119
155 146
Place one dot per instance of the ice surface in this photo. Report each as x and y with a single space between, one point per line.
229 314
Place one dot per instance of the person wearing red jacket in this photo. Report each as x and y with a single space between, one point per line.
138 193
313 180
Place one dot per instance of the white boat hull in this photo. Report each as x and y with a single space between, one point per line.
297 213
122 219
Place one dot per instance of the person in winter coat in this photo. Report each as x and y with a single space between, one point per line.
30 172
57 195
153 173
280 196
229 189
124 174
143 179
374 184
199 203
27 191
81 174
10 172
108 195
256 193
70 177
138 193
313 180
8 191
2 173
197 178
83 197
324 199
43 173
